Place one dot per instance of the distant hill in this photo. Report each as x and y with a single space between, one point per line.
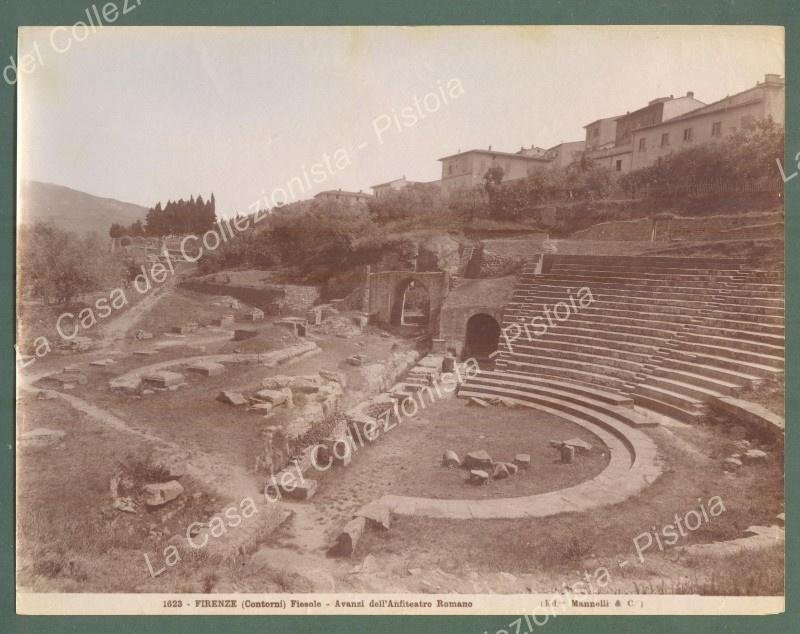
74 210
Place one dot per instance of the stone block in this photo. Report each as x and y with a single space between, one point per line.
101 363
754 455
377 515
264 408
347 541
478 460
276 397
731 464
581 446
161 492
450 459
500 471
511 468
477 402
567 453
478 476
163 378
207 368
231 398
125 385
305 384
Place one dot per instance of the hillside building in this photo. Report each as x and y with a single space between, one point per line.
609 141
464 170
344 197
709 123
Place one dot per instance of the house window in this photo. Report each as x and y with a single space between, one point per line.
688 134
665 139
619 165
596 132
716 129
450 168
642 144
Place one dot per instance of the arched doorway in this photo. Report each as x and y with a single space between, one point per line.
412 306
483 336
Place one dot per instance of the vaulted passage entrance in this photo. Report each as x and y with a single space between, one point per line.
483 336
412 307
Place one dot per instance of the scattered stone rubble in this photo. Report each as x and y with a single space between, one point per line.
748 456
129 495
482 468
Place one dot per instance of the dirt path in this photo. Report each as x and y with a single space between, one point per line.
115 330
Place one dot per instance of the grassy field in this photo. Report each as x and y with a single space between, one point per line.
69 537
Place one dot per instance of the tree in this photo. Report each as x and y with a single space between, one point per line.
116 230
181 217
136 229
56 266
493 177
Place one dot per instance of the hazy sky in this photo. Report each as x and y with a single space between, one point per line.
146 114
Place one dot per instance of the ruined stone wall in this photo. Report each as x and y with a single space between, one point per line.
273 300
384 293
495 264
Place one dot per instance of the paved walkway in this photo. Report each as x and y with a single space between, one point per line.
633 466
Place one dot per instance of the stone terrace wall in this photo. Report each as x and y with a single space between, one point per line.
762 224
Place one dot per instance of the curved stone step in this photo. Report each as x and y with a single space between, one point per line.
710 371
544 368
594 364
538 292
692 390
666 395
618 357
500 386
655 287
668 409
715 385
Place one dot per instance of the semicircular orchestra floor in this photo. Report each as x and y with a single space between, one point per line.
406 460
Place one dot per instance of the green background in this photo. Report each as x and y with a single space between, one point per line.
250 12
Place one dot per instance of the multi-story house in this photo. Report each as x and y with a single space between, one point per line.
709 123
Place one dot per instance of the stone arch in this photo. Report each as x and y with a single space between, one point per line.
482 336
387 290
412 304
